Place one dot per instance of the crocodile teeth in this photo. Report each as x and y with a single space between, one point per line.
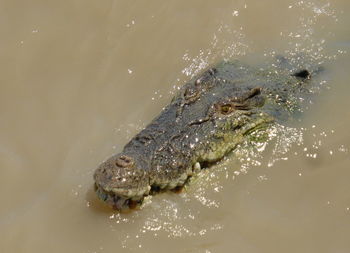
196 167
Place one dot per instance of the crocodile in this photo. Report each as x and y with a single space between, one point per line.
207 118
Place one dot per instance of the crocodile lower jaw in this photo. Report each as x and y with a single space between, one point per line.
122 199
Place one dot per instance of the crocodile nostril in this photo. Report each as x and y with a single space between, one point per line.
124 161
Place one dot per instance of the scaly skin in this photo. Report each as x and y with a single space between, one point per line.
206 119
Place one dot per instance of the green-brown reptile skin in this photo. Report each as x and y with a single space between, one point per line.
207 118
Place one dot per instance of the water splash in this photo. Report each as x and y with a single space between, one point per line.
165 214
227 42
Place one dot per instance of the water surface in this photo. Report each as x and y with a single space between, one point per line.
80 78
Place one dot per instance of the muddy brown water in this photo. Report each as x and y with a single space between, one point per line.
79 78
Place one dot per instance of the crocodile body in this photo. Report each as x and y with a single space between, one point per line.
207 118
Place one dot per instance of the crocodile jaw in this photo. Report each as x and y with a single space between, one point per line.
122 199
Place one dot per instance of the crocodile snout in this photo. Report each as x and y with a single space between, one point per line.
121 180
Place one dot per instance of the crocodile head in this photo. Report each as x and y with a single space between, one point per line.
193 134
208 118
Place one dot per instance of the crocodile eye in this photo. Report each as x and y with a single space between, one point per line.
225 109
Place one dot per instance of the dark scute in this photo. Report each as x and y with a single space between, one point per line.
304 74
